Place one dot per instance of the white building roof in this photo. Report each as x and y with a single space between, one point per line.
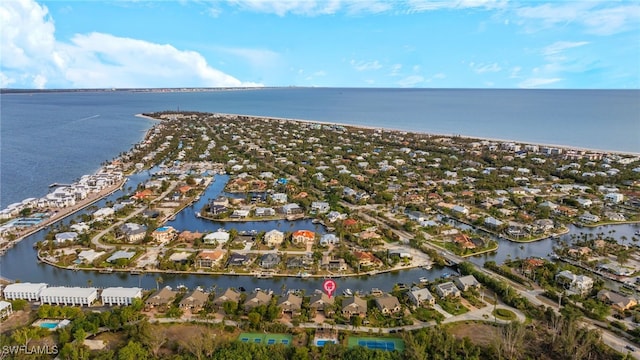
121 292
24 287
68 291
4 305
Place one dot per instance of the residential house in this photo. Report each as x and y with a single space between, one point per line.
63 237
291 209
447 289
264 211
236 259
617 301
161 298
303 237
492 222
290 304
279 198
320 207
333 264
269 261
367 259
354 306
273 237
321 302
195 300
329 239
163 234
460 210
209 258
589 218
218 237
465 283
579 284
388 304
229 295
256 299
422 296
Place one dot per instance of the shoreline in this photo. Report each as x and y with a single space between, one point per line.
468 137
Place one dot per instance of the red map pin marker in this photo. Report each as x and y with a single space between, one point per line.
329 287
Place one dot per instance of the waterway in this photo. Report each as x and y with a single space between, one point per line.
20 262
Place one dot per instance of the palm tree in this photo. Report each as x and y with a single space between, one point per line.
159 280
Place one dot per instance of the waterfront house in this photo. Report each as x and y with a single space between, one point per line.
354 306
279 198
273 237
88 256
467 282
422 296
290 304
240 214
492 223
321 302
181 257
264 211
103 213
209 258
388 304
303 237
194 301
269 261
62 238
333 264
161 298
255 299
447 289
25 291
121 296
68 296
589 218
579 284
236 259
219 237
229 295
133 232
367 259
291 209
120 254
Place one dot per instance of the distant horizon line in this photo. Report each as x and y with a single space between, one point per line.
221 88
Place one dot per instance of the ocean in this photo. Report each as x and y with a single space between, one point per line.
60 136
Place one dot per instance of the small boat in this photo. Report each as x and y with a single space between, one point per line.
445 275
106 271
424 280
637 233
347 292
304 275
428 267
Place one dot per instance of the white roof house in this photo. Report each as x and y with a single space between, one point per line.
66 236
220 236
120 254
104 212
26 291
120 295
89 255
61 295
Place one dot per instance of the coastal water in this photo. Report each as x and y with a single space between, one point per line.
58 137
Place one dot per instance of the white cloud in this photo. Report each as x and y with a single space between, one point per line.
485 68
431 5
395 69
296 7
537 82
600 18
410 81
32 57
515 72
560 46
365 66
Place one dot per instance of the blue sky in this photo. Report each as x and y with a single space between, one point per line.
332 43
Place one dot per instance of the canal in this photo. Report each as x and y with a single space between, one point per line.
20 262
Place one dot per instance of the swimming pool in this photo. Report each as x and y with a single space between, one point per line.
49 325
325 341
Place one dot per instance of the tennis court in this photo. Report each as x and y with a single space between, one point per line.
268 339
386 344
